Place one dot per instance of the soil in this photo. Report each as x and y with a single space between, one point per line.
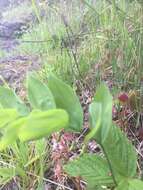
13 68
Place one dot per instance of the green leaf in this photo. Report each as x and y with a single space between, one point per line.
8 99
42 124
121 154
95 116
66 99
93 169
39 94
101 114
7 115
11 133
123 185
118 150
130 184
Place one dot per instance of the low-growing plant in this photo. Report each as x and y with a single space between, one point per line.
50 108
55 106
117 169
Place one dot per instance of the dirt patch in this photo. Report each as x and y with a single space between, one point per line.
16 17
13 70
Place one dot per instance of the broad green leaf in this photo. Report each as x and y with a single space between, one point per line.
39 94
42 124
8 99
93 169
121 154
11 133
65 98
101 114
6 175
123 185
130 184
95 110
7 115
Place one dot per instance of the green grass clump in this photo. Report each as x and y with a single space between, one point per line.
27 162
105 37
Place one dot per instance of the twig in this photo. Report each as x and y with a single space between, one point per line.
50 181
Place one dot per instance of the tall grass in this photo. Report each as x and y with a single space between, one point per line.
106 35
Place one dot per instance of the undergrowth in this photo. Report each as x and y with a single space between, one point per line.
86 43
105 39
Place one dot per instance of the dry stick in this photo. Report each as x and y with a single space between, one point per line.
50 181
139 153
11 166
4 82
140 167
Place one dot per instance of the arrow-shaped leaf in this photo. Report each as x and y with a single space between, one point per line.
66 98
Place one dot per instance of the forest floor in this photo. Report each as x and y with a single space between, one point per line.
83 45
